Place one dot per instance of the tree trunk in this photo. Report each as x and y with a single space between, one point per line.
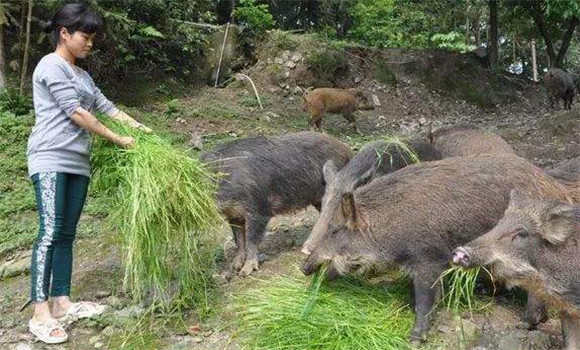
26 48
538 17
2 63
534 62
566 42
493 33
466 23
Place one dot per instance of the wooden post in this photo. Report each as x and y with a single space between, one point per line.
217 78
534 63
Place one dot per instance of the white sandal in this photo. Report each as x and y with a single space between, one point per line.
82 309
43 331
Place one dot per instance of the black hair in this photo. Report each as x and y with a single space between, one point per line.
74 17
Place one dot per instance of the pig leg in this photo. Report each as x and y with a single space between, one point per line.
255 228
352 121
239 229
425 295
570 331
535 313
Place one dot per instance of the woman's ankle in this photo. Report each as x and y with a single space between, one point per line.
42 311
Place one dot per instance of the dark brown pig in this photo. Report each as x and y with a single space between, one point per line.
559 85
376 159
413 218
466 140
536 246
341 101
265 177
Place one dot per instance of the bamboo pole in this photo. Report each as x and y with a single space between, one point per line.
26 48
217 78
534 62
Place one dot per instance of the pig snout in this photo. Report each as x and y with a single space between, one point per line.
461 257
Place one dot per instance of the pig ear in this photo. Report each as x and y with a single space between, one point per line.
354 221
329 170
560 222
364 178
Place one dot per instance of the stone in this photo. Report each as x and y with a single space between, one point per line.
130 312
101 294
291 64
286 76
195 141
298 90
15 268
115 302
94 339
422 121
99 345
376 100
265 118
279 60
23 346
357 80
286 55
108 331
296 57
197 340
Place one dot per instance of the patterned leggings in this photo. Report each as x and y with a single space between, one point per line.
60 198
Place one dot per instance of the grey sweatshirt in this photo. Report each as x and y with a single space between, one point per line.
56 142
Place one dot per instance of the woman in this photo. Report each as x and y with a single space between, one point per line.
65 98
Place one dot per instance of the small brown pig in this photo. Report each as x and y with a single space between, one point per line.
536 246
341 101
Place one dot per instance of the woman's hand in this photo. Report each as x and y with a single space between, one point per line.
125 118
126 142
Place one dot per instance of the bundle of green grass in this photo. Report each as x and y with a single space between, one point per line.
163 209
290 312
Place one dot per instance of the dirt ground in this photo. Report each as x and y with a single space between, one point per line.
208 116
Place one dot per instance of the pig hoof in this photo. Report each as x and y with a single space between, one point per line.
238 262
418 337
249 267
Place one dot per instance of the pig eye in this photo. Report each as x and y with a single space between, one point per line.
520 233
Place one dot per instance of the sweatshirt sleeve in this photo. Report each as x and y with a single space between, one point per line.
102 104
62 89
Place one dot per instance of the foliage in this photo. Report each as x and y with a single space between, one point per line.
327 62
253 20
386 23
163 207
255 16
17 221
452 41
12 101
288 313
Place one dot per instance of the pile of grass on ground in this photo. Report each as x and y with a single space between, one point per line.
17 216
162 204
288 313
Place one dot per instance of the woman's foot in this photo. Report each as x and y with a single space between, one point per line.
45 327
64 310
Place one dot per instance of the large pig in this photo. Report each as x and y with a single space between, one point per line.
376 159
265 177
559 85
466 140
341 101
414 218
450 141
536 246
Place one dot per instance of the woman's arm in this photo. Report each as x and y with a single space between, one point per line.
125 118
89 122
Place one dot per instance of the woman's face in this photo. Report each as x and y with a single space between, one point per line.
79 44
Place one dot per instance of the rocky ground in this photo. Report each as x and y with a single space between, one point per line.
208 116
